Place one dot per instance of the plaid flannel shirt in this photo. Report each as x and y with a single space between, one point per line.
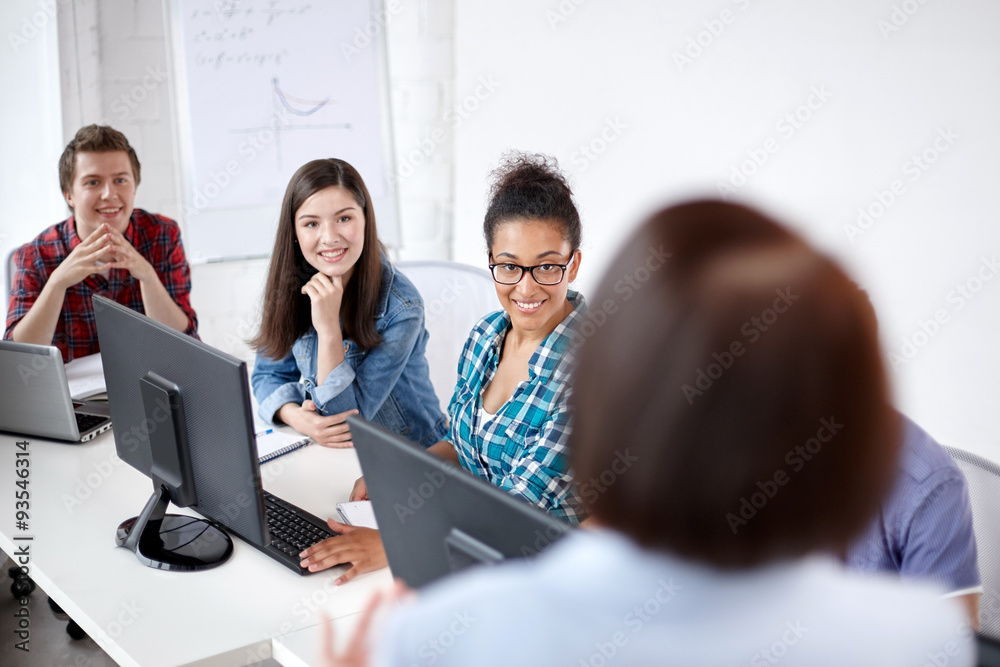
157 238
523 449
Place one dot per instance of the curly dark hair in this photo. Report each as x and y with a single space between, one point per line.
530 185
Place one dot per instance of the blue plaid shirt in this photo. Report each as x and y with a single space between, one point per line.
523 448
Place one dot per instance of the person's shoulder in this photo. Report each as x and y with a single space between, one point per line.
54 234
155 222
851 612
923 460
397 286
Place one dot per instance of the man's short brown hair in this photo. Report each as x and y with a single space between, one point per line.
94 139
741 373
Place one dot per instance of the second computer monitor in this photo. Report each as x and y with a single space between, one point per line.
436 518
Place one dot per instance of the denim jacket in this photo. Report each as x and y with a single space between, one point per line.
389 384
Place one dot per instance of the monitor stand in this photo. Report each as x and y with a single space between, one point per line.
173 541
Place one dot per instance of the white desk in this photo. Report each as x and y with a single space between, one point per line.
141 616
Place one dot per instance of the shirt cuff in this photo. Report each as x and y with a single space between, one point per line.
293 392
339 379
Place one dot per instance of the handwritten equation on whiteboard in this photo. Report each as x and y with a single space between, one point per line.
268 88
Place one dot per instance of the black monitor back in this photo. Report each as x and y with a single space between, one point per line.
216 401
435 517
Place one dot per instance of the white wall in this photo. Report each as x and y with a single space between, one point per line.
30 124
566 72
114 70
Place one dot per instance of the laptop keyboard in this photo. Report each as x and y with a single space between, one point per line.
292 529
87 422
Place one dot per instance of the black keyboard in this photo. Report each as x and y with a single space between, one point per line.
87 422
292 529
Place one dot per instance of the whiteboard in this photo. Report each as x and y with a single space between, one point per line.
260 87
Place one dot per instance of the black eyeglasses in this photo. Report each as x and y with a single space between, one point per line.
507 273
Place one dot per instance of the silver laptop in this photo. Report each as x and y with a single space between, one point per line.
35 398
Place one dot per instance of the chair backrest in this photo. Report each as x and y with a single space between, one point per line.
455 297
983 477
10 268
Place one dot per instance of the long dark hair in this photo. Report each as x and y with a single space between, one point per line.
286 311
745 381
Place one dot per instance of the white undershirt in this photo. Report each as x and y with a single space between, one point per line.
483 419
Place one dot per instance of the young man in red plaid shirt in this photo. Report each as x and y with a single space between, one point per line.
106 247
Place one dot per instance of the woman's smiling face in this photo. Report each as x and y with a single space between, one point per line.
330 228
528 242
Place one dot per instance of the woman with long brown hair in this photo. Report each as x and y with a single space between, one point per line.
342 331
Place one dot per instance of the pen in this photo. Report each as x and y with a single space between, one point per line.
270 430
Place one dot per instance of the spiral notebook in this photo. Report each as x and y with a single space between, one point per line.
272 444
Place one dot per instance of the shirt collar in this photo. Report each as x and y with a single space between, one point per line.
549 354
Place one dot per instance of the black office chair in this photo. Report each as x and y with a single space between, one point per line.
983 477
987 652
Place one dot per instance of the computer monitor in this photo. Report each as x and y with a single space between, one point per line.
182 417
436 518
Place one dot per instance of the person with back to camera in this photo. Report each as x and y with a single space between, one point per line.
106 247
510 412
712 549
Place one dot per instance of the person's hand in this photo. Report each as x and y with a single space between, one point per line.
128 258
329 431
361 547
325 296
360 490
356 653
82 261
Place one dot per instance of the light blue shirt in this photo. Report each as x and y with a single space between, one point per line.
596 598
389 384
924 530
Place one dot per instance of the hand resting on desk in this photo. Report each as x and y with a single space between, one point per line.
361 547
329 431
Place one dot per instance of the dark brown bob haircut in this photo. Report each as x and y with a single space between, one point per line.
744 379
286 314
94 139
